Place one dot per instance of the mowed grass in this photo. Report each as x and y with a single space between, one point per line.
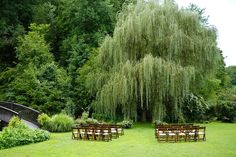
137 142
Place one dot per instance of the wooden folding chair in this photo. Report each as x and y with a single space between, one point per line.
106 133
162 134
172 135
181 134
191 133
75 133
83 132
98 133
201 133
114 131
91 133
120 130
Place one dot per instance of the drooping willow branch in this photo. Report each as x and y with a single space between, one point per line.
152 79
152 57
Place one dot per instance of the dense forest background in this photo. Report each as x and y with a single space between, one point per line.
47 48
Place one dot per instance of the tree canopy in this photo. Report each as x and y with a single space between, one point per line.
134 59
231 71
150 61
75 28
38 81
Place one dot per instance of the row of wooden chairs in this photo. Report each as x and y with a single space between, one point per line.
175 125
99 132
180 132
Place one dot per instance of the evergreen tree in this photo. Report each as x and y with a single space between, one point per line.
38 81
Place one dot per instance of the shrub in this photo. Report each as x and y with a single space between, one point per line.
61 123
158 122
224 111
194 108
80 121
85 115
58 122
92 121
15 122
44 120
103 117
85 120
17 133
126 124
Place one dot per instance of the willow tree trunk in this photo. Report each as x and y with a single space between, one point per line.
144 115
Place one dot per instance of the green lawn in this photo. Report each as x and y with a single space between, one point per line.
137 142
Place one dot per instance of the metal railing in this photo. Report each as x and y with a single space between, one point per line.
23 112
6 114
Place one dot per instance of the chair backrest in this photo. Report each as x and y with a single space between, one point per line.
83 129
191 128
106 129
203 128
98 129
162 129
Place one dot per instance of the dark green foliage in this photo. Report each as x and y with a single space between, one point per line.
17 134
225 111
28 73
32 47
89 21
231 71
44 13
117 5
103 117
75 33
15 17
221 71
209 87
84 98
70 108
38 82
194 108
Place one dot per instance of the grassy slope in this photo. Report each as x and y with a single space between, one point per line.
137 142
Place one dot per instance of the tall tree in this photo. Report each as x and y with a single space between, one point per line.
15 17
147 66
38 81
200 12
77 31
79 26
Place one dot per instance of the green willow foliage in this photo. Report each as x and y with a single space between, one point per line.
151 60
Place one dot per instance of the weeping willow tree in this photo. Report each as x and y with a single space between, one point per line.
150 62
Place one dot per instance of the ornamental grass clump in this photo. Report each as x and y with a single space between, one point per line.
57 123
61 123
